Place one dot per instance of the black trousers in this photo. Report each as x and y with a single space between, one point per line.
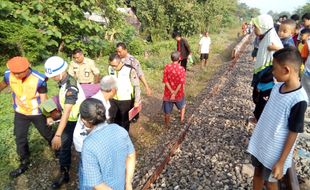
21 127
184 63
66 143
119 112
260 99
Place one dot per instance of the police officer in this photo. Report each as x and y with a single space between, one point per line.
83 69
71 96
128 90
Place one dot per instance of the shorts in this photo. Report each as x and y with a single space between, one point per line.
168 105
266 172
204 56
254 52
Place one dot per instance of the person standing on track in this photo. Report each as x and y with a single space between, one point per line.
174 79
29 89
274 137
204 45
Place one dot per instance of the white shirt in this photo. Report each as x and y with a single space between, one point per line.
80 132
205 44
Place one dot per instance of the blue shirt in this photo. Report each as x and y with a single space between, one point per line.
288 42
104 155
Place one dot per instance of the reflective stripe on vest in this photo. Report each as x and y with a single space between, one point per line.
124 87
25 95
74 114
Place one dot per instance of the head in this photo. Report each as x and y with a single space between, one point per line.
177 35
287 28
206 33
284 17
92 113
78 55
296 18
286 64
115 62
175 56
304 34
121 50
262 24
306 20
108 86
19 67
55 68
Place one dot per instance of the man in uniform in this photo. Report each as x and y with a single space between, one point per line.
71 96
83 69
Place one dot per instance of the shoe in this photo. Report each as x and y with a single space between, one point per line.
63 178
21 169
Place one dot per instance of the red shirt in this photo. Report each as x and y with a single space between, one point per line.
174 74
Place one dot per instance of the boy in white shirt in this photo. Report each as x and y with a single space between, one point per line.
204 45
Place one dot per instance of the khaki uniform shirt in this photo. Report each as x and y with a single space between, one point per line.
85 72
132 61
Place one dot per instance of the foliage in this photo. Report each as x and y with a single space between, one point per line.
303 9
62 22
246 13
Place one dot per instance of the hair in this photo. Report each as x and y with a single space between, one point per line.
284 16
176 34
295 17
306 16
113 57
175 56
122 45
92 110
77 50
107 83
288 55
305 31
289 22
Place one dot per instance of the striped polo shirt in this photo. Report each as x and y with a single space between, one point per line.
270 134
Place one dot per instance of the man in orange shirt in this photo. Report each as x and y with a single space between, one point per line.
29 89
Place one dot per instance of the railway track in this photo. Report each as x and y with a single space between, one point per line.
209 151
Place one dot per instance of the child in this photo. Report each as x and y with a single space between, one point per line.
262 79
204 45
29 89
273 140
286 31
174 79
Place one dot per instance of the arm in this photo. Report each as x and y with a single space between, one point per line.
148 90
278 167
43 97
97 78
187 46
136 85
56 142
130 169
102 186
3 85
96 72
273 47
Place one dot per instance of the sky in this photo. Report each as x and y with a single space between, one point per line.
275 5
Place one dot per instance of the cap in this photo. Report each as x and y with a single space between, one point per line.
18 64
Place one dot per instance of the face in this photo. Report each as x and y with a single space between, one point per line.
285 31
121 52
86 125
207 34
115 64
257 31
306 22
21 75
178 38
78 57
304 37
279 71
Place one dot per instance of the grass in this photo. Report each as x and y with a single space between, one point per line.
153 64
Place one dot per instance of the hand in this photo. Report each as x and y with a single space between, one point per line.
277 170
56 142
136 104
148 91
172 97
128 186
49 121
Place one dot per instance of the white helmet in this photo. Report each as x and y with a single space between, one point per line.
54 66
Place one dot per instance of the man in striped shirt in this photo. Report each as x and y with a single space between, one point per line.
274 136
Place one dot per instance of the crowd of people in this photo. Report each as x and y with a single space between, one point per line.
280 94
92 112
